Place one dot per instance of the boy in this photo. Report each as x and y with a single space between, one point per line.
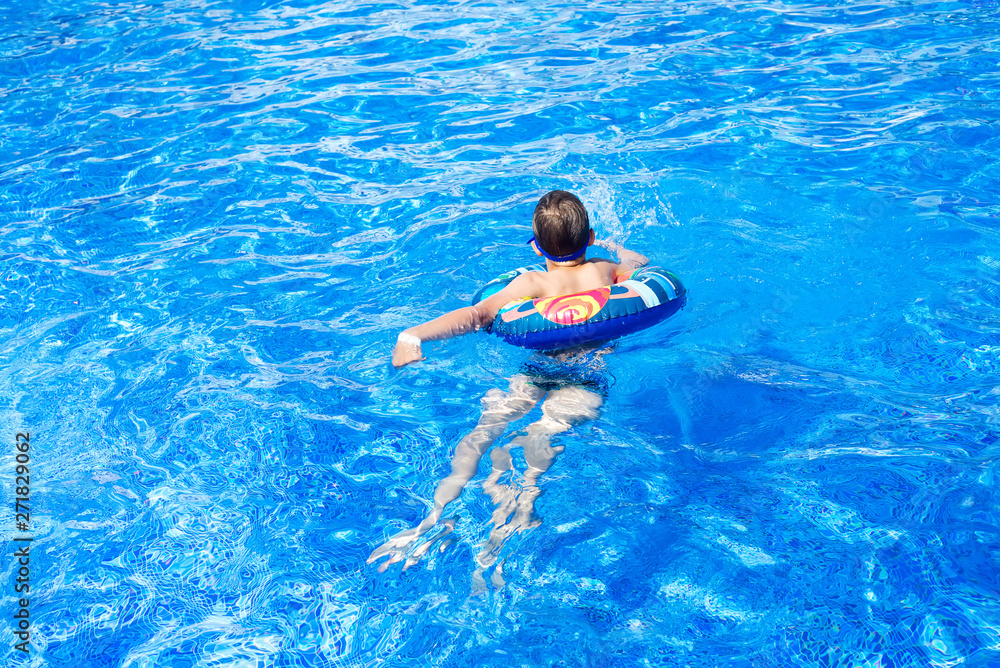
562 235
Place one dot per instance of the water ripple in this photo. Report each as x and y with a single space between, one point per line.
217 216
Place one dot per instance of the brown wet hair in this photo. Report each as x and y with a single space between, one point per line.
560 223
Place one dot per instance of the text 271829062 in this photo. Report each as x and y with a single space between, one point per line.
22 540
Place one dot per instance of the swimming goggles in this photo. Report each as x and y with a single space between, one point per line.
560 258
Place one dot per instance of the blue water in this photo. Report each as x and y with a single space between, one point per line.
217 216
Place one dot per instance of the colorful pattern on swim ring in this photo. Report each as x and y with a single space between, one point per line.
575 308
638 299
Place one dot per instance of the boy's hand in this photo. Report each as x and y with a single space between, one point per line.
626 258
407 351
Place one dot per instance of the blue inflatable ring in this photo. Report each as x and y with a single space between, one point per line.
636 300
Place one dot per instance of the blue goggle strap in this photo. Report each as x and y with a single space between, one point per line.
560 258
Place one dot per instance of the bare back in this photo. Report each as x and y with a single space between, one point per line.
590 275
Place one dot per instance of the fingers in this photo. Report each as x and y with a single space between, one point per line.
406 353
402 360
399 364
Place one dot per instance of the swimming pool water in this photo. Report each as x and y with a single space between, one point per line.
217 216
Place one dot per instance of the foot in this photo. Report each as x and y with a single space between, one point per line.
398 547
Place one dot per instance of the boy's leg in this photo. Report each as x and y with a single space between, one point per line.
503 496
499 409
562 409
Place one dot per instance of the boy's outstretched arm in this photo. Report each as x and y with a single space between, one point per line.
460 321
626 259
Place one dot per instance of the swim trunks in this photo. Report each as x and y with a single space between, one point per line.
552 371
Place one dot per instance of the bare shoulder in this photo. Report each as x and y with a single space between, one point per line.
608 269
615 269
526 285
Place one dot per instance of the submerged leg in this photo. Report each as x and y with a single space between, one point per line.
499 409
562 409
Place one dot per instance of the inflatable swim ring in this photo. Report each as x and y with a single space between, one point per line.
636 300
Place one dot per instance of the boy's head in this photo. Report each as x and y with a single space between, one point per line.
561 226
